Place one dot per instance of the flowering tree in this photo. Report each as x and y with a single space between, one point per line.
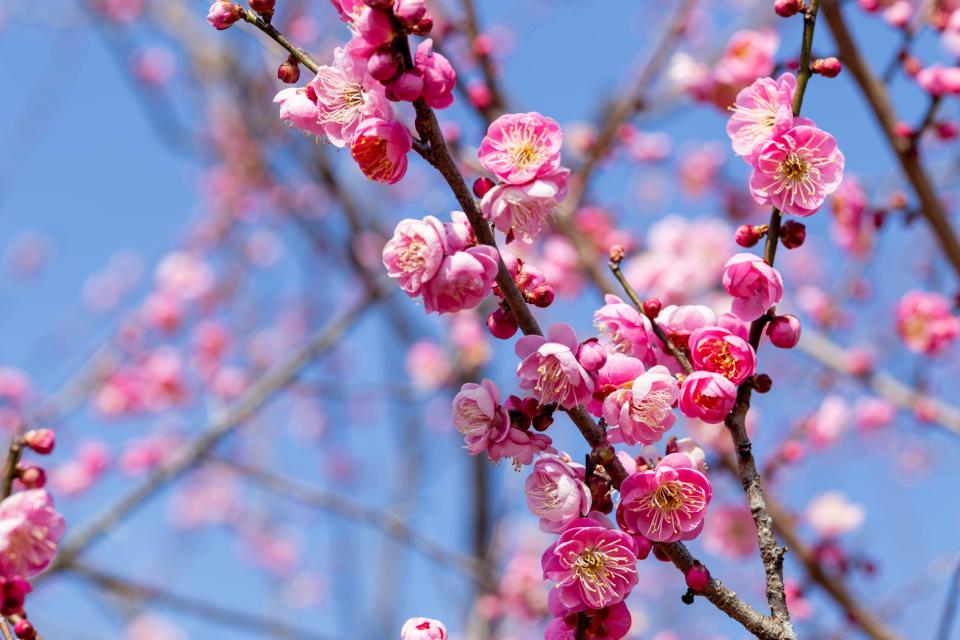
612 364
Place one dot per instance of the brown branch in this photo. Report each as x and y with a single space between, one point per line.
302 56
876 96
487 65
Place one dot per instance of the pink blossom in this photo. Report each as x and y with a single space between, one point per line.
643 409
898 14
832 514
796 170
871 414
520 445
30 529
372 28
478 415
524 209
628 330
760 109
852 229
679 323
549 368
519 147
298 107
462 281
749 55
349 10
617 373
594 567
380 149
754 285
438 75
556 493
707 396
718 350
222 15
730 531
345 96
829 422
938 80
666 504
428 365
415 252
925 322
610 623
184 274
423 629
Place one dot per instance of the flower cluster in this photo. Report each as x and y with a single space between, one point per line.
795 164
523 151
926 323
440 263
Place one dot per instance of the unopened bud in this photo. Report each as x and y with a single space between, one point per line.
784 331
787 8
792 234
541 296
481 186
501 324
383 65
749 235
762 383
697 577
24 630
32 477
40 440
652 307
289 71
222 14
827 67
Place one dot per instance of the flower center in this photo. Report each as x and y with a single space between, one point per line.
794 168
552 383
652 409
716 355
370 152
591 566
669 496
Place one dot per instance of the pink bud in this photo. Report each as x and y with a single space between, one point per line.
827 67
787 8
652 307
792 234
762 383
479 94
749 235
945 130
408 86
541 296
698 577
33 477
481 186
903 130
784 331
501 324
289 71
40 440
222 14
24 629
410 12
591 355
383 65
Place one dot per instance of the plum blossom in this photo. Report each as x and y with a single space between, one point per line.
521 446
667 503
556 493
423 629
832 514
609 623
478 415
629 331
345 95
523 210
754 285
925 322
415 252
380 149
298 107
796 170
852 229
707 396
462 281
760 109
439 77
30 529
718 350
594 566
829 422
519 147
550 369
643 408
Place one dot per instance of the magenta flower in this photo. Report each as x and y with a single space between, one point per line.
925 322
643 408
594 567
372 28
30 529
415 252
345 96
754 285
796 170
519 147
380 149
938 80
423 629
556 493
478 415
298 107
760 109
524 209
666 504
462 281
717 350
628 330
549 367
439 78
707 396
610 623
520 445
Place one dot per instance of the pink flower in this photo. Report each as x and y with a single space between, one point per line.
666 504
415 252
796 170
462 281
298 107
832 514
594 567
428 365
372 28
760 109
643 409
423 629
871 414
549 368
519 147
852 230
749 55
925 322
478 415
717 350
829 422
222 15
628 330
730 532
556 493
520 445
30 529
708 396
346 96
611 623
438 75
754 285
380 149
523 209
